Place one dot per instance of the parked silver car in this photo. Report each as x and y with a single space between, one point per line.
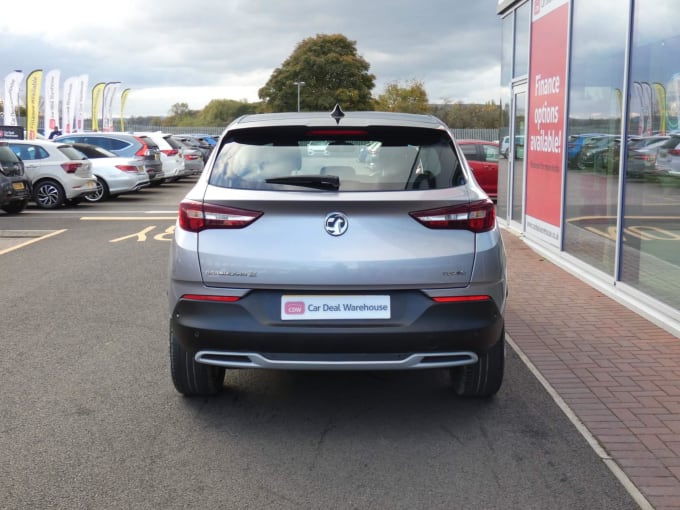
284 260
125 145
668 156
115 174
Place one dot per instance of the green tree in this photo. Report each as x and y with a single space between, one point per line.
220 112
332 72
179 110
410 98
472 115
179 115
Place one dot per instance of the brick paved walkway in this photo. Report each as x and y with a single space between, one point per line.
617 372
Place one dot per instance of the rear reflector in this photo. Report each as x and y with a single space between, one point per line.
475 216
203 297
197 216
460 299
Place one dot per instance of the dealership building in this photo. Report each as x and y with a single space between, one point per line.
591 98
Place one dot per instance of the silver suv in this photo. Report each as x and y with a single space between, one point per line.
285 260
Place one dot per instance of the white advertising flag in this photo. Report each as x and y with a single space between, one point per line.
67 105
52 99
110 91
83 80
11 100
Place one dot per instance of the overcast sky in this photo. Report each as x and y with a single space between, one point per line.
193 51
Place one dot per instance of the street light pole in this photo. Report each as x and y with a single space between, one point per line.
299 84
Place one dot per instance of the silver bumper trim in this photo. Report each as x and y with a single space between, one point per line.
335 361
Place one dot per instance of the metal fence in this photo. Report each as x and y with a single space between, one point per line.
490 135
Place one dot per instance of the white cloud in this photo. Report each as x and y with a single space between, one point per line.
171 51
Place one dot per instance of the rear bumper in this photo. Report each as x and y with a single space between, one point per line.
80 186
14 189
420 334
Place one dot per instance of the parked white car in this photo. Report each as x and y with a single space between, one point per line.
174 166
115 175
668 156
59 173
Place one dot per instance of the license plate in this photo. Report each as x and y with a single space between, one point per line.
19 186
335 307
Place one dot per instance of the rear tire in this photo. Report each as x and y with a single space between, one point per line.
15 207
100 193
190 378
48 194
484 378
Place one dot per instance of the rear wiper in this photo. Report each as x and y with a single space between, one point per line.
323 182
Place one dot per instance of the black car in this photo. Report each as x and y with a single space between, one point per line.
15 186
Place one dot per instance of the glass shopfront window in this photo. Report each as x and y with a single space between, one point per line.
504 131
522 28
650 258
594 127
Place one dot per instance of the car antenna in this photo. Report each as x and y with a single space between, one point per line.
337 113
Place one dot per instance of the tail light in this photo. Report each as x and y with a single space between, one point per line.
674 152
143 150
170 152
71 168
128 168
190 157
197 216
476 217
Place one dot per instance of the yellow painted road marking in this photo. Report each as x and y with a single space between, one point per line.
31 241
141 236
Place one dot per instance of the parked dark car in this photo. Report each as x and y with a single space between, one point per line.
575 145
642 155
196 143
15 186
593 152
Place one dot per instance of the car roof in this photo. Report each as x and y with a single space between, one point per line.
363 119
116 134
38 141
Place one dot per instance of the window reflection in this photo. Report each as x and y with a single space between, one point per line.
594 127
522 27
650 259
506 78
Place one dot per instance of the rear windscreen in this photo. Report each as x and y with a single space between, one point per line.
363 159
